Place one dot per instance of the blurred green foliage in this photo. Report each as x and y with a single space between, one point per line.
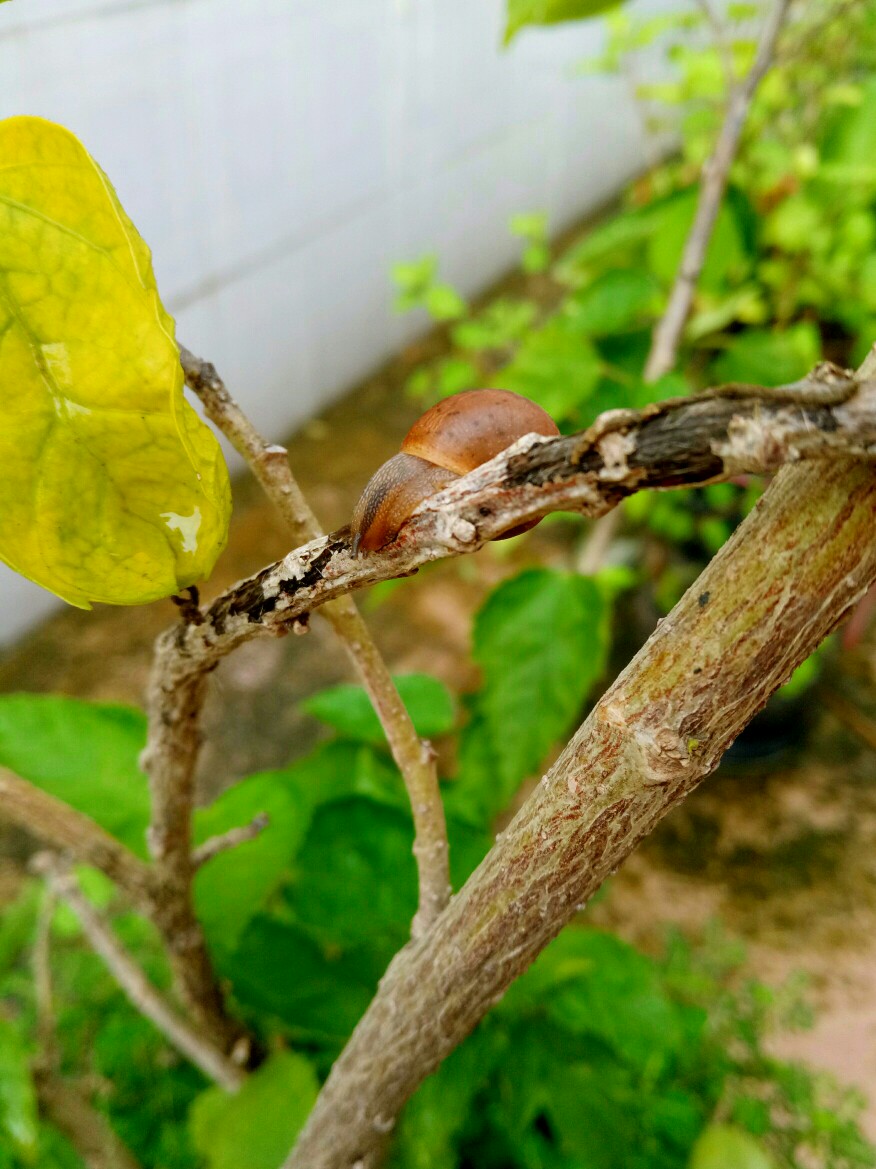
597 1057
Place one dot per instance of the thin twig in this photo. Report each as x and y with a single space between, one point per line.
667 335
413 757
230 839
42 983
187 1039
64 1103
599 540
57 824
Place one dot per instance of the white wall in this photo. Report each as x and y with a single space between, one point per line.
279 155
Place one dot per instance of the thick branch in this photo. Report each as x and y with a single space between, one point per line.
187 1039
667 335
57 824
683 442
779 586
414 758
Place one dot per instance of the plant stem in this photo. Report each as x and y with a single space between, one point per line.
726 432
140 992
230 839
414 758
57 824
66 1105
667 335
778 587
172 746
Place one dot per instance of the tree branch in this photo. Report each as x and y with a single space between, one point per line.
667 335
57 824
781 583
682 442
230 839
47 1056
139 991
67 1106
169 760
413 757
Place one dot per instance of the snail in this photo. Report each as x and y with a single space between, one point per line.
458 434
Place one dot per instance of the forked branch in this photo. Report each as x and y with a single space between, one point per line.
682 442
778 587
189 1040
414 758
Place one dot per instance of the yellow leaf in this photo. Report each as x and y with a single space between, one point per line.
111 487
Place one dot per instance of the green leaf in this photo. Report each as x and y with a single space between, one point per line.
767 358
113 490
257 1126
521 13
480 790
615 302
794 223
536 258
444 303
606 1118
541 640
849 137
416 275
530 225
234 886
723 1147
562 1102
348 709
591 983
18 1106
621 233
356 878
17 921
435 1117
343 768
557 366
324 999
501 323
82 752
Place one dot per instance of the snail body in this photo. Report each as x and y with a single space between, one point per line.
452 438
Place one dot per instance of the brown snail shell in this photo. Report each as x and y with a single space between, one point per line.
456 435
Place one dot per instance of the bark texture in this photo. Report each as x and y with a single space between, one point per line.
780 585
413 757
55 823
682 442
